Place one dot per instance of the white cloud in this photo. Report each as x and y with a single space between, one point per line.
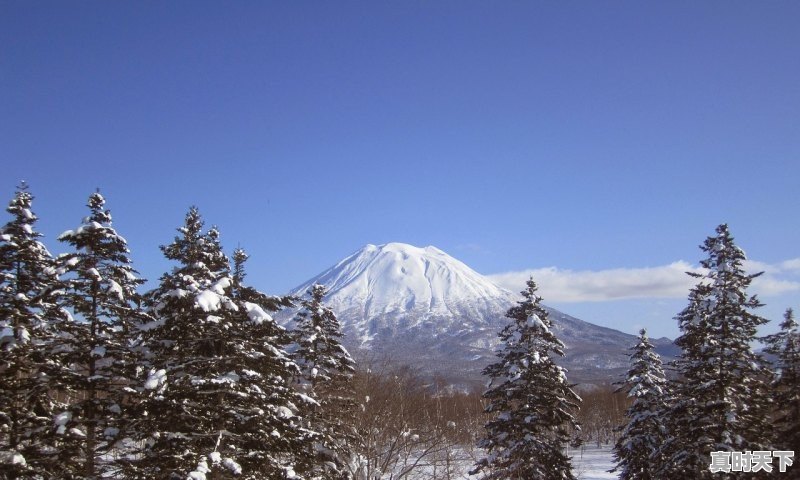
754 266
667 281
768 285
792 265
777 279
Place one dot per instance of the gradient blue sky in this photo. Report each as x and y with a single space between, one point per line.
601 141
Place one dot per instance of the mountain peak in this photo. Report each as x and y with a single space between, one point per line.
400 247
402 281
382 272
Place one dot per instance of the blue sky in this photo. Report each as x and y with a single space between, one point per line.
593 143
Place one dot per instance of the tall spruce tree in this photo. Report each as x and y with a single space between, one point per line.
217 399
721 396
641 438
92 359
530 399
785 346
28 284
326 376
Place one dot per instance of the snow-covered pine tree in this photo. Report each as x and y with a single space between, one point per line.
785 346
326 376
27 307
276 369
675 456
641 438
720 397
217 397
530 399
92 359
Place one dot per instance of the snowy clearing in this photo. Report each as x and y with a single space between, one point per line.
589 463
593 463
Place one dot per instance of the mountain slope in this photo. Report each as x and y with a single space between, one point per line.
424 308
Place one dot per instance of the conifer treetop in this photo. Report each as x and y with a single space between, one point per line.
530 400
720 397
636 450
95 237
27 274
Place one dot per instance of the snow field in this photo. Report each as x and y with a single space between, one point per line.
588 463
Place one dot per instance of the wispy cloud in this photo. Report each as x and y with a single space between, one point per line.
667 281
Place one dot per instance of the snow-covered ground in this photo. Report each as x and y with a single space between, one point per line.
593 463
589 463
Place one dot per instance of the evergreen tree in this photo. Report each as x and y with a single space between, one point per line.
326 376
217 397
721 397
785 346
92 362
641 438
530 399
28 281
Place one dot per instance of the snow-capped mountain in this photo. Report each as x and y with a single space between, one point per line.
422 307
398 287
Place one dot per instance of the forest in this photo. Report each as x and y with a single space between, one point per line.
195 379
